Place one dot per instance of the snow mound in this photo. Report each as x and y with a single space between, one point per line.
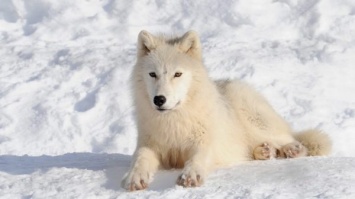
65 66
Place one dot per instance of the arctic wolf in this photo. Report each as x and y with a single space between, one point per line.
186 120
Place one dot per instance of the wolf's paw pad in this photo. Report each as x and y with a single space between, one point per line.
264 152
294 150
136 181
190 179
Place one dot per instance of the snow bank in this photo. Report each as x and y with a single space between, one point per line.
64 88
65 66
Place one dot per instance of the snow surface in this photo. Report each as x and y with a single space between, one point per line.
66 120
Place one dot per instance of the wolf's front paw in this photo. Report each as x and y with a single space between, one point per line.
293 150
264 152
190 178
136 180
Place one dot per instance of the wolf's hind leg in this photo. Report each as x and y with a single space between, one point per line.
293 150
264 152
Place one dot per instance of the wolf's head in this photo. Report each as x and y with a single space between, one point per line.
166 67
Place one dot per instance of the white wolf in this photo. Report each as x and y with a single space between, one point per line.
186 120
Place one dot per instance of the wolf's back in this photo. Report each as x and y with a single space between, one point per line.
317 143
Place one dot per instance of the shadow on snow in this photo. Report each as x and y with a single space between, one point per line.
113 165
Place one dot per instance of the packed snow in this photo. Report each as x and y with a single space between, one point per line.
67 128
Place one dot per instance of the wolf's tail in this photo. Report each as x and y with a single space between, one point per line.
317 143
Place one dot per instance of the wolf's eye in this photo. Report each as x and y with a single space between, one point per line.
178 74
152 74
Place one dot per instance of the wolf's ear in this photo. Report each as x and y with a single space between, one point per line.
190 44
146 43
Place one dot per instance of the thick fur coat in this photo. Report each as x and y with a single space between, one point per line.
186 120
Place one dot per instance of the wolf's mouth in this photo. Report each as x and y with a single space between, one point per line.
161 109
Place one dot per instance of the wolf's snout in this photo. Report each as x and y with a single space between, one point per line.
159 100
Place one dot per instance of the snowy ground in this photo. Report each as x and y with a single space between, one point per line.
87 175
66 125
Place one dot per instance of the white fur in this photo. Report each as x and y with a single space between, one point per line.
205 124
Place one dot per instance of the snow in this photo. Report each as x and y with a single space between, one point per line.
66 118
88 175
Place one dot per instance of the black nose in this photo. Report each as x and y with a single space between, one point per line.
159 100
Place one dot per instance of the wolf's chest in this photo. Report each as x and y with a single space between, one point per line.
174 157
177 133
176 144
